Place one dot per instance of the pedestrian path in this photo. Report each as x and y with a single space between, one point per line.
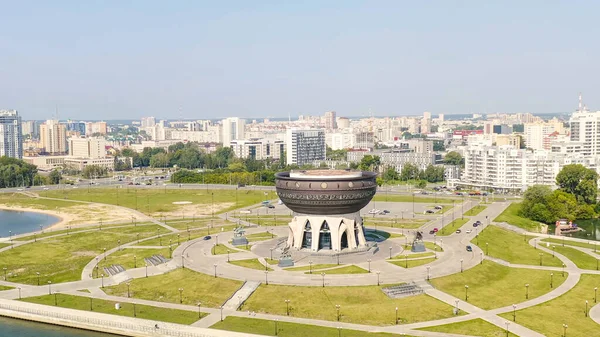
241 295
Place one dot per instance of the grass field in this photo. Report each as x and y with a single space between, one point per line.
492 285
429 245
197 223
262 236
345 270
49 232
154 201
108 307
452 226
125 258
266 220
285 329
62 259
197 287
581 259
511 215
251 263
2 288
559 242
3 245
222 249
364 305
393 223
409 198
164 238
536 317
314 267
520 252
411 263
475 210
413 256
17 199
476 327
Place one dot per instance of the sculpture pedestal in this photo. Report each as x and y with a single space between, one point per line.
286 262
417 247
239 241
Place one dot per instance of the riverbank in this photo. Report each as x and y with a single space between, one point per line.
62 219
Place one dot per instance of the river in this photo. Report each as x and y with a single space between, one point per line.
19 222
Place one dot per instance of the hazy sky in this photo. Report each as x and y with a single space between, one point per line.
212 59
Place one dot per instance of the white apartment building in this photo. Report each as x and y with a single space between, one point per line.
304 146
397 159
53 137
585 128
536 133
233 129
258 149
330 121
11 139
147 122
87 147
340 140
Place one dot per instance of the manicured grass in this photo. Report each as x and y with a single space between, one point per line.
125 258
285 329
345 270
452 226
512 247
559 242
314 267
475 210
269 261
250 263
262 236
572 302
412 263
445 208
266 220
428 245
413 256
197 287
5 288
511 215
363 305
154 201
17 199
49 232
394 223
62 259
492 285
184 236
222 249
581 259
108 307
409 198
196 223
475 327
2 245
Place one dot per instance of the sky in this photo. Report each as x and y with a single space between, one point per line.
256 59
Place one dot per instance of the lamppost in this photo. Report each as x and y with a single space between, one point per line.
104 254
215 265
565 330
199 304
507 324
38 277
377 277
563 270
287 307
337 307
369 260
396 315
466 293
595 294
180 295
266 277
323 276
514 312
487 246
456 303
55 301
19 292
586 308
480 257
541 258
271 249
405 260
390 253
49 287
221 313
228 251
310 266
428 267
128 285
553 250
102 275
527 291
551 279
461 265
146 269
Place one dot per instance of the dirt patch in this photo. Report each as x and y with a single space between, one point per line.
84 253
190 210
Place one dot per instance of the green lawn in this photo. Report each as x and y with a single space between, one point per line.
184 236
50 232
556 242
17 199
452 226
222 249
511 215
412 263
581 259
266 220
196 223
285 329
363 305
197 287
262 236
314 267
475 210
393 223
475 327
2 288
536 317
429 245
155 201
2 245
512 247
345 270
413 255
273 261
108 307
492 285
250 263
410 198
125 258
62 259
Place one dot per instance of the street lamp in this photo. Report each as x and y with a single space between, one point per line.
428 267
102 275
323 275
228 251
527 291
19 292
551 277
456 303
55 301
541 258
507 324
378 277
466 293
266 277
180 295
38 277
310 266
128 285
215 265
565 330
390 253
271 249
405 260
396 315
199 304
461 265
514 312
337 307
481 257
595 294
369 260
487 246
49 287
146 269
287 307
586 308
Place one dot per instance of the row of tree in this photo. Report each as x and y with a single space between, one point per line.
17 173
575 198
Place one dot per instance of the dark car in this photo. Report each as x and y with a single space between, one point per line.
432 232
475 224
438 207
429 211
386 211
270 206
469 249
458 231
208 237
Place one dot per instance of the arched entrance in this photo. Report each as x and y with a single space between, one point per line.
324 236
307 236
344 241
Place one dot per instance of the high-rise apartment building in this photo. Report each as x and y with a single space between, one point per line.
11 139
147 122
258 149
95 128
330 121
53 137
28 128
304 146
535 133
585 128
233 129
76 127
87 147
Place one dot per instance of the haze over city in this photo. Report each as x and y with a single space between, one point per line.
200 60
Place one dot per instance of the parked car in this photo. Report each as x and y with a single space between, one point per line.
270 206
386 211
458 231
438 207
475 224
206 238
469 249
468 231
435 229
429 211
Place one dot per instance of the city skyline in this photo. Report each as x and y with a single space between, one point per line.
269 59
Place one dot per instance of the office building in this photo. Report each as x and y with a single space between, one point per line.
233 129
76 127
304 146
53 137
87 147
11 138
258 149
29 128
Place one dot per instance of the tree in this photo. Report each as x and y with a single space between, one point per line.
453 158
579 181
433 173
369 163
438 145
55 177
409 171
390 173
94 171
159 160
421 184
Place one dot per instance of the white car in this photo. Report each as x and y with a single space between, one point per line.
46 188
468 231
19 189
374 211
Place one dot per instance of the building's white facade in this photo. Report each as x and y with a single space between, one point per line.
397 159
536 133
303 146
258 149
87 147
330 121
340 140
11 139
233 129
585 128
53 137
147 122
